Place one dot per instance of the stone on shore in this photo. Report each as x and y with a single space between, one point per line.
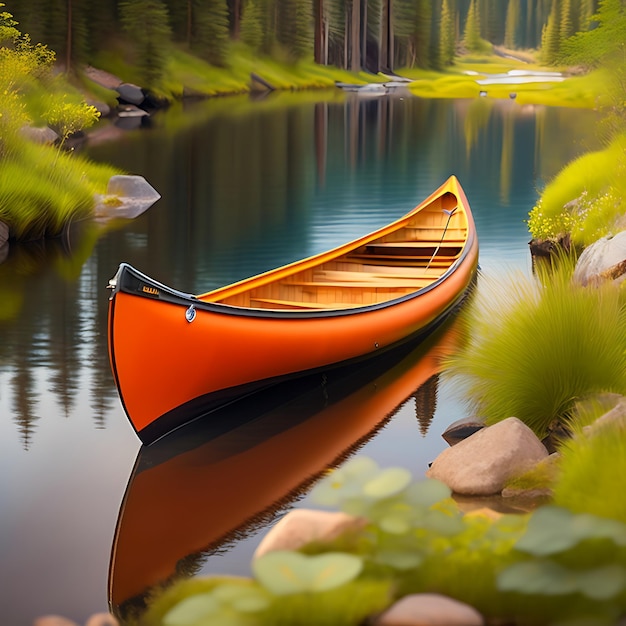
484 462
602 261
102 619
429 609
127 196
133 94
53 620
462 429
302 526
615 419
40 134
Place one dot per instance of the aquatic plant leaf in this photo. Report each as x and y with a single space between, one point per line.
602 583
427 492
553 529
345 482
441 523
243 598
395 523
284 572
537 577
191 610
388 483
401 560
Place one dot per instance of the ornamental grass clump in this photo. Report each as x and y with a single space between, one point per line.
534 350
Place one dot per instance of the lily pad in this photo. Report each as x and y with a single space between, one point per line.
284 572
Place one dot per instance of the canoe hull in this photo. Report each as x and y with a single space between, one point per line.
174 356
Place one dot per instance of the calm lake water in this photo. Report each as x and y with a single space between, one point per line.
245 186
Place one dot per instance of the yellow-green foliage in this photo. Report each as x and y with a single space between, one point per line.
41 189
540 476
586 199
533 351
592 474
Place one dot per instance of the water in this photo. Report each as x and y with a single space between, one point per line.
245 186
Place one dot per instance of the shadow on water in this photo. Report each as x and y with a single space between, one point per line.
194 493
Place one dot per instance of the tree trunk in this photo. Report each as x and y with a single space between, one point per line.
355 36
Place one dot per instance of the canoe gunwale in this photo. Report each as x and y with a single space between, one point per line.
133 282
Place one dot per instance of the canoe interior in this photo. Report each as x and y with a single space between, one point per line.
412 255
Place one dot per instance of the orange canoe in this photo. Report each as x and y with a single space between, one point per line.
176 356
211 483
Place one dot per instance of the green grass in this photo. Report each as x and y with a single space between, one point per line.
42 189
595 185
533 352
592 474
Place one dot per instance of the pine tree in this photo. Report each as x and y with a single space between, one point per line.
146 22
567 27
209 30
551 38
447 41
511 24
295 27
471 37
251 26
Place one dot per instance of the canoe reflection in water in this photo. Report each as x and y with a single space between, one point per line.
218 480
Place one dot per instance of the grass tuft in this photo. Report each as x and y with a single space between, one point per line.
534 351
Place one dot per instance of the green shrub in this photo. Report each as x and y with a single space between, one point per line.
533 351
586 199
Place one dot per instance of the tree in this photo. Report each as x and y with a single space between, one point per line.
511 24
447 38
209 30
471 36
146 22
251 27
551 37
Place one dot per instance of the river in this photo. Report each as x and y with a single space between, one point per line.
246 185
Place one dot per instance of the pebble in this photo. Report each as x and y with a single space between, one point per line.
430 609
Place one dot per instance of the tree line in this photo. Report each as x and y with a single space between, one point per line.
375 35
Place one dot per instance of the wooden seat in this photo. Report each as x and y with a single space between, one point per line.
298 304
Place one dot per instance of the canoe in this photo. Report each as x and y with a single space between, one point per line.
176 356
214 483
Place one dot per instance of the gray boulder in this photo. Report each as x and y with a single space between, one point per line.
131 93
462 429
602 261
483 463
39 134
4 233
127 196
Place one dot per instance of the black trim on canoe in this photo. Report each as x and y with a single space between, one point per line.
217 401
131 281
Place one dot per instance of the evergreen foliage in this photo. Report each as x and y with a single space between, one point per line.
447 34
209 33
251 28
146 23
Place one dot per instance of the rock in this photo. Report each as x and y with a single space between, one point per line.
127 196
302 526
130 93
102 107
429 609
105 79
53 620
4 233
39 134
602 261
615 419
462 429
485 461
102 619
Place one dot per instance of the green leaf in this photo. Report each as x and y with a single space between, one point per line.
395 523
553 529
537 577
284 572
427 492
440 523
243 598
388 483
602 583
399 560
191 610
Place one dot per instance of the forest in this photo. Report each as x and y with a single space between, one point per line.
371 35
